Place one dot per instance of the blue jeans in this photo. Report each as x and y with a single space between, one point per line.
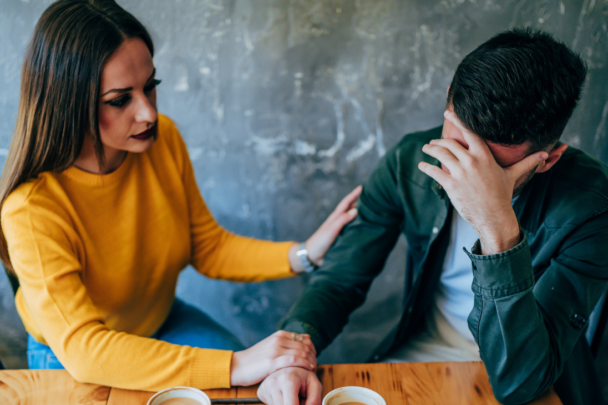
185 325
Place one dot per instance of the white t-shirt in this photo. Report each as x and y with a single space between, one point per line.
446 335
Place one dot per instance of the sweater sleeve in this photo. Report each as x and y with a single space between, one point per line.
217 253
46 255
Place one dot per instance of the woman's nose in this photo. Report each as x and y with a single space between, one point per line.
146 111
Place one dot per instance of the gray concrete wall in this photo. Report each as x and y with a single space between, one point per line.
287 105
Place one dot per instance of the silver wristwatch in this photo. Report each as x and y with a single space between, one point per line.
302 253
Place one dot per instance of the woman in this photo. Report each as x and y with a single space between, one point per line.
101 211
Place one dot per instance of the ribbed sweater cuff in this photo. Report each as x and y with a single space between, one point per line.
283 253
210 369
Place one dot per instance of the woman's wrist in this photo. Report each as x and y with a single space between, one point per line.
294 261
303 262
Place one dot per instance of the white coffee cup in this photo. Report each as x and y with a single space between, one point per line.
353 394
163 396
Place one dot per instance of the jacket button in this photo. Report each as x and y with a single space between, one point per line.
578 321
376 358
435 229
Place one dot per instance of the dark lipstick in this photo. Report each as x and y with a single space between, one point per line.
146 134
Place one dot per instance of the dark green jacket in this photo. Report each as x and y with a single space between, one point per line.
532 302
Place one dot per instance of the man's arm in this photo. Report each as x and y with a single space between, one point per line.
526 332
357 256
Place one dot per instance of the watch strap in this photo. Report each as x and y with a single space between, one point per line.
302 253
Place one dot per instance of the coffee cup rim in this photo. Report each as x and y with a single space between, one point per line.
360 390
161 396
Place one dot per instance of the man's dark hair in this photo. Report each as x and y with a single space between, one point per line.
521 85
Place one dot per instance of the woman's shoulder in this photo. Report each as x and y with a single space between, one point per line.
33 195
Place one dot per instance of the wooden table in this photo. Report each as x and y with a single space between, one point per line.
399 384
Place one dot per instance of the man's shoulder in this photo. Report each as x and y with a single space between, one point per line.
578 189
412 142
403 158
582 171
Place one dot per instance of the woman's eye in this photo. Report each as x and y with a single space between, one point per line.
152 85
119 102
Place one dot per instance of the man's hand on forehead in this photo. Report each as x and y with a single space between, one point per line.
479 188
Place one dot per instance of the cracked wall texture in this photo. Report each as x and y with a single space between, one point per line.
287 105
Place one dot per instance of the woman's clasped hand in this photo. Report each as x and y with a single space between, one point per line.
279 350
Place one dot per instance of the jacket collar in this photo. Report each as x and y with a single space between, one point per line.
529 206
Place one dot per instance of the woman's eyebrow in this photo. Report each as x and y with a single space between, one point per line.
118 91
126 89
152 75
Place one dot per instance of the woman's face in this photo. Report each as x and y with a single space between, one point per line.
127 106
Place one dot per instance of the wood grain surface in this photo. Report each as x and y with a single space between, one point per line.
34 387
398 383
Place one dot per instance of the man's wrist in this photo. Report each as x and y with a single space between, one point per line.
502 274
501 239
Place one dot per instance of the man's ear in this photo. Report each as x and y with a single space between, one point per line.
554 156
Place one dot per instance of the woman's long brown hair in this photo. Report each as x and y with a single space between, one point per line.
60 89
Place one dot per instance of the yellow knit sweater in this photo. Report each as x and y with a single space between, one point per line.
98 257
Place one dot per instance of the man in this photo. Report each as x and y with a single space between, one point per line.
531 213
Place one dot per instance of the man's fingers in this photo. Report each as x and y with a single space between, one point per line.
527 164
290 391
434 172
277 398
475 142
443 155
461 153
262 394
314 391
450 116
